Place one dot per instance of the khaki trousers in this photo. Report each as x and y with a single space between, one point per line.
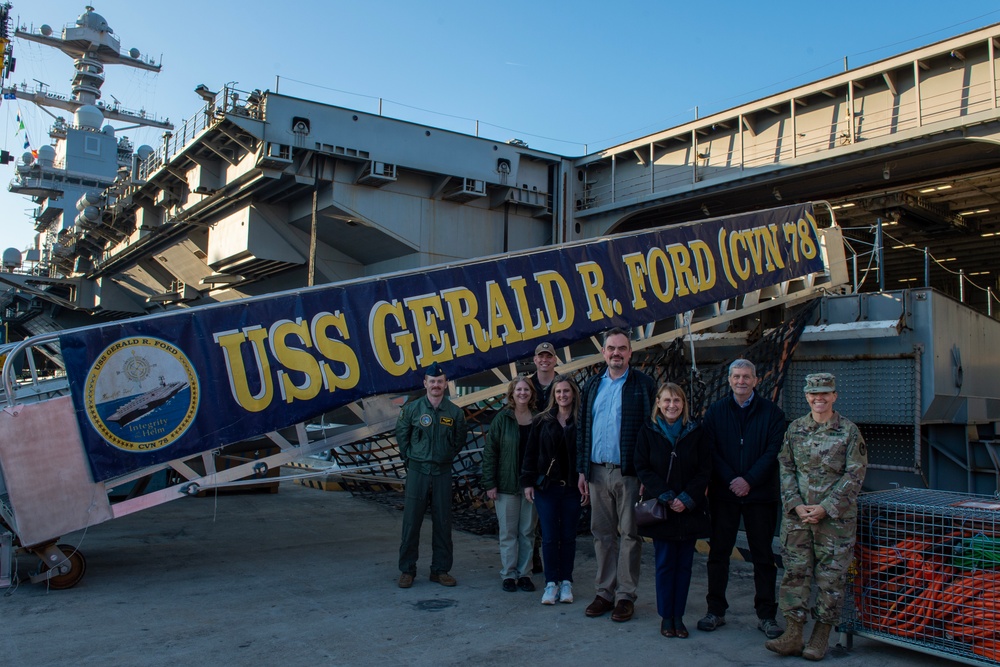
617 545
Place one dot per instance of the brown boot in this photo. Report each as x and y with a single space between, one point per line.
790 641
818 642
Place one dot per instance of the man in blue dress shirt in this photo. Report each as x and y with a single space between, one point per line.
614 405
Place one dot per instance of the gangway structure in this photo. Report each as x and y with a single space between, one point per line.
266 366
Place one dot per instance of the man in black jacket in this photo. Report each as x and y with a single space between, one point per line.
614 405
745 432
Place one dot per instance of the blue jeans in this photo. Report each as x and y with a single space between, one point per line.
559 516
673 575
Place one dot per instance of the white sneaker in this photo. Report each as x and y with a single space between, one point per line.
551 593
566 592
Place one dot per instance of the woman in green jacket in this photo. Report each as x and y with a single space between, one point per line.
502 458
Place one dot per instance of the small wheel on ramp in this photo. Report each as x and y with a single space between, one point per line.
77 567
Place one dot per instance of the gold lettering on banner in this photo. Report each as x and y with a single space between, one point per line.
336 353
500 317
453 323
292 345
231 343
433 343
800 235
598 304
556 321
299 359
293 357
463 308
530 327
395 352
676 270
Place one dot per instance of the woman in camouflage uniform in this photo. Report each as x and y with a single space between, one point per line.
822 465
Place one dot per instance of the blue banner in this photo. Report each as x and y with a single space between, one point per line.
163 387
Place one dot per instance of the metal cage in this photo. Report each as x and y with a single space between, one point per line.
926 573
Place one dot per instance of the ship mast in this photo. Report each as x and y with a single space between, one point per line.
51 174
92 44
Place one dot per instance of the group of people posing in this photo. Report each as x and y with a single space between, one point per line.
556 447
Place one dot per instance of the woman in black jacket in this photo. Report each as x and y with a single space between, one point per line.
674 466
551 452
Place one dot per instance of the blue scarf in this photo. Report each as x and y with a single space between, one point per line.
670 431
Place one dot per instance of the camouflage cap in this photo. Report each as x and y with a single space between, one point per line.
819 383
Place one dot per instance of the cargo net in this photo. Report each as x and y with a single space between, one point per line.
379 473
371 468
771 355
927 573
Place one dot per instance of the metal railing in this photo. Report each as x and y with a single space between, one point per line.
31 386
228 101
702 162
869 264
42 90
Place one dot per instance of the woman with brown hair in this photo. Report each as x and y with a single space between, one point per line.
549 480
502 456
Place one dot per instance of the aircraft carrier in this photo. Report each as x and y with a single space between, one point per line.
142 405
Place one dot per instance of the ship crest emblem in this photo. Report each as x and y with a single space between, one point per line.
425 420
141 394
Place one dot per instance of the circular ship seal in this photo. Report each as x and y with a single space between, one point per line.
141 394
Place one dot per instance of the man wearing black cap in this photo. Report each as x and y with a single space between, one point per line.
430 432
545 372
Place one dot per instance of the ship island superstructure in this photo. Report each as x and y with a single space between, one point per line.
67 178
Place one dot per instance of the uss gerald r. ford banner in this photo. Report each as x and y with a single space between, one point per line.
163 387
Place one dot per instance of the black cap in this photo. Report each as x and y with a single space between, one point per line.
434 370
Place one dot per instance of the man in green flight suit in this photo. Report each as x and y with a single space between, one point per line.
430 432
822 466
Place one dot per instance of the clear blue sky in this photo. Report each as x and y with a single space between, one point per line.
564 76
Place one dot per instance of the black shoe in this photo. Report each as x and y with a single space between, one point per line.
711 622
667 627
680 628
770 628
524 583
509 585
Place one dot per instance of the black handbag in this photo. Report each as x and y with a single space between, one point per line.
544 481
652 511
